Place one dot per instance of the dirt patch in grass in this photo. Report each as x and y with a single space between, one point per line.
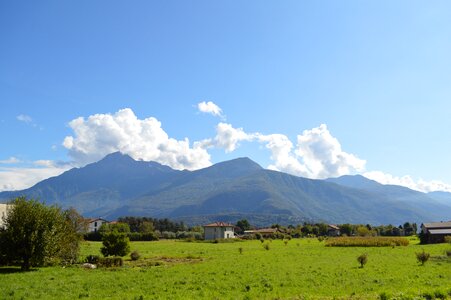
163 261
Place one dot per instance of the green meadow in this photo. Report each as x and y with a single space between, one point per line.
299 269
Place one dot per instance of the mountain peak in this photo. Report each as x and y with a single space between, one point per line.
117 156
241 163
355 181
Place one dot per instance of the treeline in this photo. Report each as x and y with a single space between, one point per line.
147 229
323 229
136 224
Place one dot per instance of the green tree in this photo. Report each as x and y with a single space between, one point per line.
243 225
115 243
35 234
75 226
146 227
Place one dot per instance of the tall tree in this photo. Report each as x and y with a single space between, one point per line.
35 234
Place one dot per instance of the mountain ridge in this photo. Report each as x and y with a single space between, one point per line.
118 185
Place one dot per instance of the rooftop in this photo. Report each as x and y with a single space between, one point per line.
437 225
219 224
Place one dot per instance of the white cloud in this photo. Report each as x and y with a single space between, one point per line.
407 181
317 154
101 134
323 156
210 108
11 160
281 154
227 137
24 118
22 178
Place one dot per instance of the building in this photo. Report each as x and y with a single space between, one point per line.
94 224
264 232
435 232
333 230
219 230
3 211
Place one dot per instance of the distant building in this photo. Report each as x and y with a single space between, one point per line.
263 231
435 232
219 230
94 224
3 211
333 230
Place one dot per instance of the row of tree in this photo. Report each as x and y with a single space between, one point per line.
322 229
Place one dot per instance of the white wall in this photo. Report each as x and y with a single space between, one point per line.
3 208
95 225
212 233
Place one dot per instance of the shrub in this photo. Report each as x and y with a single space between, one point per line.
362 259
448 253
108 262
285 242
135 255
384 296
266 246
115 244
448 239
422 257
92 259
240 250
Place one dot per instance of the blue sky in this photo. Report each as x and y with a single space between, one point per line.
376 74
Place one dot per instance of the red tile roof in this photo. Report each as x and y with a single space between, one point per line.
219 224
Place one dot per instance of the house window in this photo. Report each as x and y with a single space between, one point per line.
95 224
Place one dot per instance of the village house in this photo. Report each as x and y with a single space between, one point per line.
265 232
333 230
435 232
219 230
3 211
94 224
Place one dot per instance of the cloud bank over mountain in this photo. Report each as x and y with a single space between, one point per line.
315 153
101 134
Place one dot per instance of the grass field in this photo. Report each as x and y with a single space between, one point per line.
302 269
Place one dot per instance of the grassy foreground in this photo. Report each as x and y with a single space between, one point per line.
302 269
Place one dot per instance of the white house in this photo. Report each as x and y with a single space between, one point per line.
94 224
219 230
3 211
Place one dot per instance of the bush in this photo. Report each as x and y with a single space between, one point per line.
266 246
422 257
240 250
448 239
362 259
168 235
448 253
115 244
92 259
108 262
135 255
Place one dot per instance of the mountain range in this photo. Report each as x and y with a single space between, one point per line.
118 185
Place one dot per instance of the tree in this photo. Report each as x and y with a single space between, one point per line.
115 243
243 225
75 226
35 234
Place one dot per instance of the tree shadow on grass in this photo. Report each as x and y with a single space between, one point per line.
11 270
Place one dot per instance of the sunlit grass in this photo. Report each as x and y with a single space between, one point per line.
304 268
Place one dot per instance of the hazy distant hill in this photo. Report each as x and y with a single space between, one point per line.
436 204
118 185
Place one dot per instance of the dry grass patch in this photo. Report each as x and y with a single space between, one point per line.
370 241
